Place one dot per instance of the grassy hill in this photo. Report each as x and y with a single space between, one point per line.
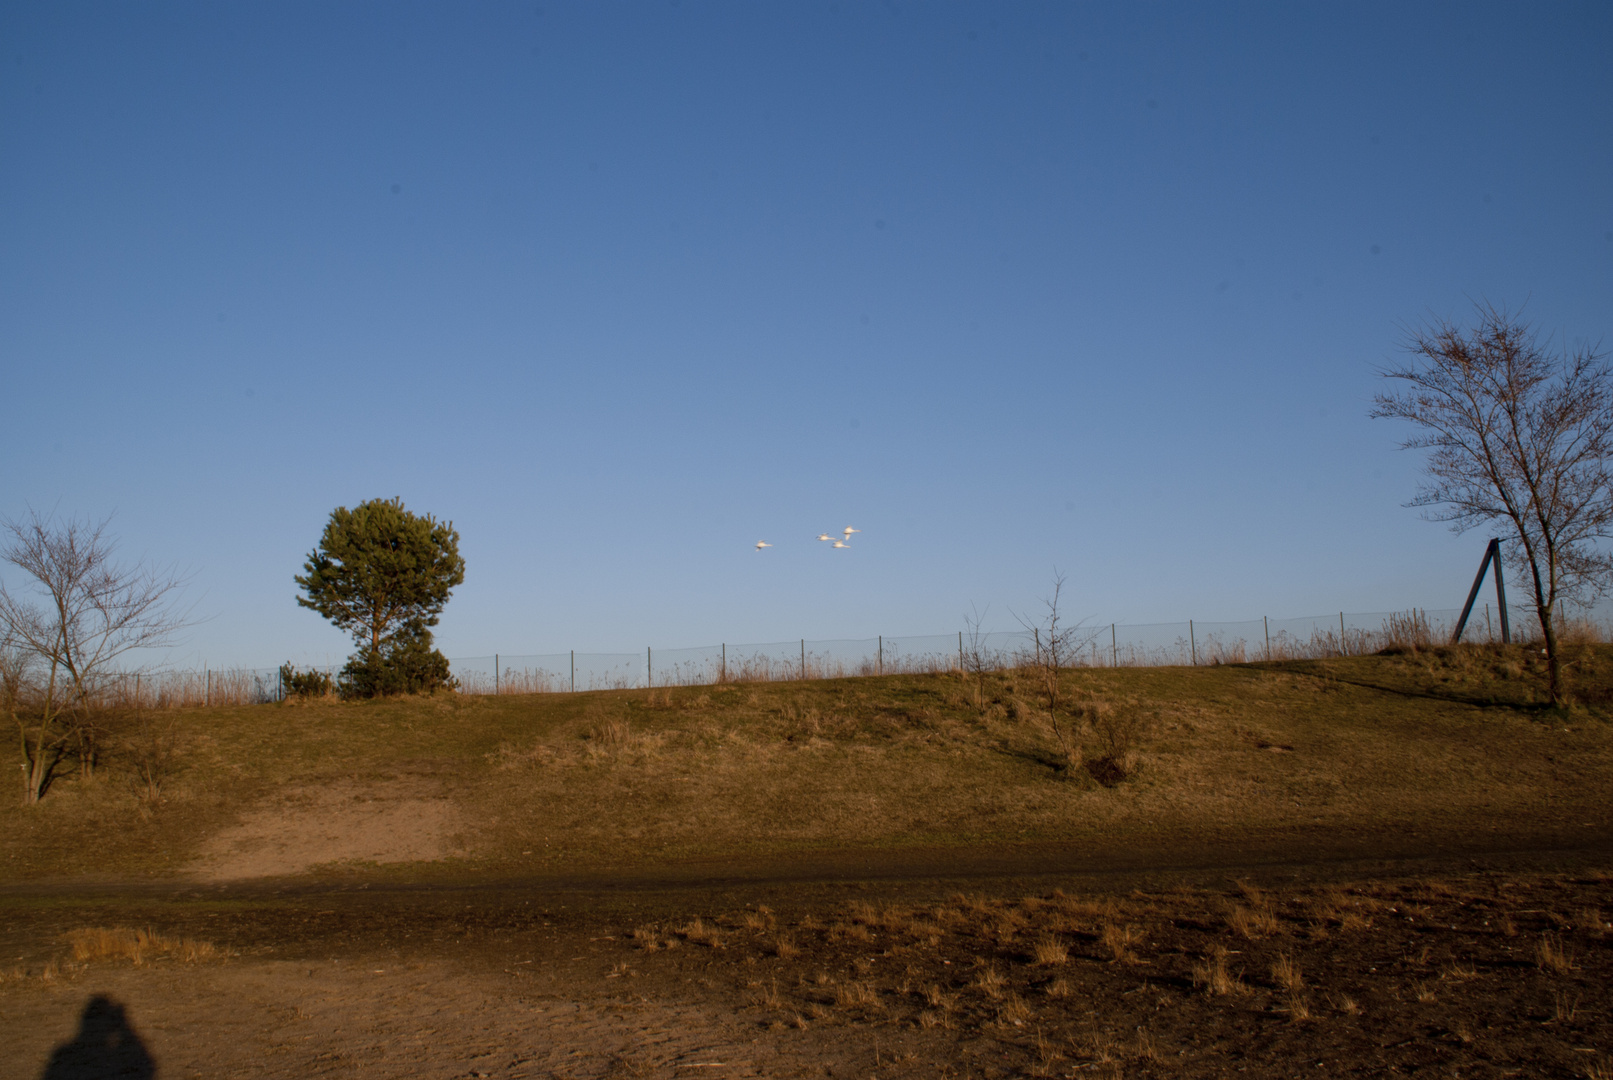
1443 748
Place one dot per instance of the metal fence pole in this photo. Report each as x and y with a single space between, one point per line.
495 673
1342 650
1192 644
649 668
725 661
803 658
1266 622
881 668
1114 647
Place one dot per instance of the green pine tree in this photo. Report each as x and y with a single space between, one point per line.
383 575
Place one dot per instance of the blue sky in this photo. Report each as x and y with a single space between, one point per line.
623 288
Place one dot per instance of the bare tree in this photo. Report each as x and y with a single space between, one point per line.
86 612
978 658
1055 644
1521 436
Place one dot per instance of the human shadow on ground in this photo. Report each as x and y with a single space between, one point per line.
106 1047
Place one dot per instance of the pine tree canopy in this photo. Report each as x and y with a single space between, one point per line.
380 570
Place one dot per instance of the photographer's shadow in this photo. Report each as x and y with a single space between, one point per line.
105 1047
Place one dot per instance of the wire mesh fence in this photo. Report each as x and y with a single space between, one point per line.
1094 645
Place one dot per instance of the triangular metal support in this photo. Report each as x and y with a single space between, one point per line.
1491 554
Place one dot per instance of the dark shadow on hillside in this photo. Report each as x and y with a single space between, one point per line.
1454 697
106 1047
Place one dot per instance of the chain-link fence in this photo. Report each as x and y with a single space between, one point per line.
1086 645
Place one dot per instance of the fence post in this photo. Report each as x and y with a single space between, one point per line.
1192 643
1489 631
1114 647
725 661
882 654
495 674
1266 622
803 658
649 668
573 671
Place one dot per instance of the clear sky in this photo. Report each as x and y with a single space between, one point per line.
621 289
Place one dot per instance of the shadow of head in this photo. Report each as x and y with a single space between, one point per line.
106 1047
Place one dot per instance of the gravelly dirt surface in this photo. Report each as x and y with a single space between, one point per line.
1487 969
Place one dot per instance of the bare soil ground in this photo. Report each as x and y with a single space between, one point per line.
1487 972
298 828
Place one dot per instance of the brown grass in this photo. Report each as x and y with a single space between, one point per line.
1253 921
621 779
1552 956
1050 950
137 946
1213 976
1120 941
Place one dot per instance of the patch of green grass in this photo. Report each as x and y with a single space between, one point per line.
1435 742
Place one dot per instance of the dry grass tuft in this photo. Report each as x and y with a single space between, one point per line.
990 981
1424 992
1346 1004
698 933
1057 989
785 948
138 946
1252 921
1285 974
1590 920
1553 956
1213 976
1050 950
857 995
1013 1010
1120 941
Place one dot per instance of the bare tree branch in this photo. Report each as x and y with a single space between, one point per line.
1520 436
81 611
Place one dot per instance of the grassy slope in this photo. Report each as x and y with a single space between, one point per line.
1448 744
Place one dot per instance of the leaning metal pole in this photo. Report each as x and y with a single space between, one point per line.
1491 554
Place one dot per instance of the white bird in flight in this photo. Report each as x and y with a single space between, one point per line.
760 544
841 543
825 536
848 530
